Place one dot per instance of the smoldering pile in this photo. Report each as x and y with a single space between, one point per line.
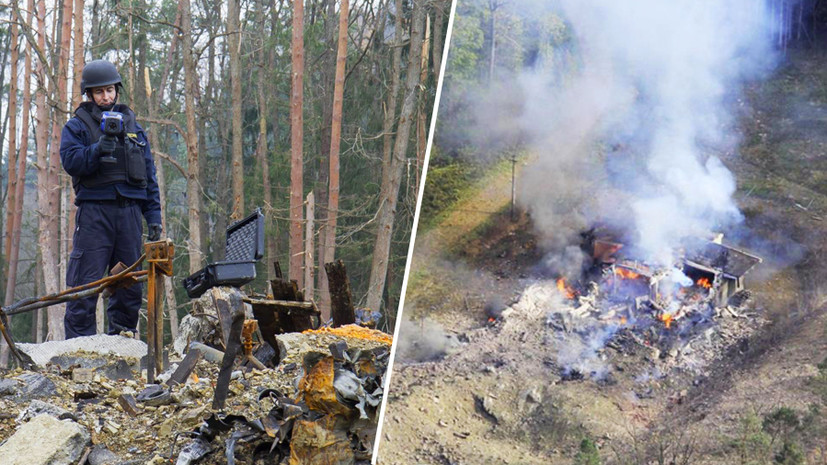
679 316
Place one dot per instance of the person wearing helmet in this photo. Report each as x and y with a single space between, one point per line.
113 175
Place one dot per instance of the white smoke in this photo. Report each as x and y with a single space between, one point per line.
583 353
424 340
656 80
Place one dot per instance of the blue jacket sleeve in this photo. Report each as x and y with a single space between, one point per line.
78 155
152 207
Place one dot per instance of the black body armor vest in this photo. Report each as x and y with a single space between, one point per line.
129 166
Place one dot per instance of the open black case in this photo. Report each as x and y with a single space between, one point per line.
245 246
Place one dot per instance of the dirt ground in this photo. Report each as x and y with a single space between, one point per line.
494 398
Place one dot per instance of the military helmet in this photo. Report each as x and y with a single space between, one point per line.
98 73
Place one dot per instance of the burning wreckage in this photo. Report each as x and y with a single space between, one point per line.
249 379
674 312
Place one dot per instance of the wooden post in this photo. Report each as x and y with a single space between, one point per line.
159 257
151 358
341 302
513 186
308 247
296 142
99 315
159 318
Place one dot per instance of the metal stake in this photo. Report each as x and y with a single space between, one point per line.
159 256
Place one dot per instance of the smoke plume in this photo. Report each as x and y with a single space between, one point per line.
424 340
632 136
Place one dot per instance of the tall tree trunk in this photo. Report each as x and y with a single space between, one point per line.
266 87
296 144
39 287
392 178
77 52
335 146
12 181
60 197
17 207
153 106
11 199
47 206
421 124
393 97
193 189
77 98
234 41
328 67
95 31
262 152
439 19
492 53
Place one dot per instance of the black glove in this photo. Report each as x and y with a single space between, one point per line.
154 232
106 144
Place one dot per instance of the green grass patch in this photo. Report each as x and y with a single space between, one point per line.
463 248
430 290
759 188
448 185
444 186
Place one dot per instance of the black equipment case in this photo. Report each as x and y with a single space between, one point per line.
245 246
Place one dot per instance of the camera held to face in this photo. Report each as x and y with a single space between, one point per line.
112 127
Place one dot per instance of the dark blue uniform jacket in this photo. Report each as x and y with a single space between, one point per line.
79 156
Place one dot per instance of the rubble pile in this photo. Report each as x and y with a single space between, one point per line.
680 316
317 404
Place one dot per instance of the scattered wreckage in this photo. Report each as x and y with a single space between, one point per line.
671 313
260 378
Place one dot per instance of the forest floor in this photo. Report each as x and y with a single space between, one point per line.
492 398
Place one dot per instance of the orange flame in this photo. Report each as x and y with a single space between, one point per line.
666 318
565 289
704 283
626 274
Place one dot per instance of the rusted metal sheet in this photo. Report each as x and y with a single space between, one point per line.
317 388
320 442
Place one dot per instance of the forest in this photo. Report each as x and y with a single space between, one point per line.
315 112
588 100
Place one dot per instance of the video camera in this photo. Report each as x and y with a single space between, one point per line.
112 126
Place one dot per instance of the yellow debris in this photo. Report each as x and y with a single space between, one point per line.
355 331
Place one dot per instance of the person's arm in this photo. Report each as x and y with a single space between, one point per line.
151 209
78 155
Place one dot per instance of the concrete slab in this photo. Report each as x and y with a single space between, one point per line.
45 440
99 343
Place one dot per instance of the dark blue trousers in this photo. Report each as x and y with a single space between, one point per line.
106 232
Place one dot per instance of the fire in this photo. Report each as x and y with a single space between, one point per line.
626 274
565 289
666 318
704 283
